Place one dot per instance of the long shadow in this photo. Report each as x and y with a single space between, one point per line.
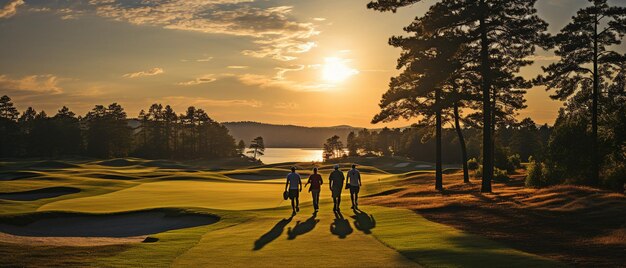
272 234
302 227
340 226
363 222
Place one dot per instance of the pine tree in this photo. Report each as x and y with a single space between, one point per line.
585 41
497 37
7 110
257 147
241 147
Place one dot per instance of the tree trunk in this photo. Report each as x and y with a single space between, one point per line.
595 161
438 164
486 86
459 132
493 125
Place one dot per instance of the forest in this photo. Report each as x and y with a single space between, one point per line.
106 132
468 56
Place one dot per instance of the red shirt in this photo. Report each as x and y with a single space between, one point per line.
315 180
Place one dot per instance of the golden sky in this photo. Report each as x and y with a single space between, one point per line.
312 63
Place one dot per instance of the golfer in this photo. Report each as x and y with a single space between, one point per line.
354 179
335 183
316 182
294 183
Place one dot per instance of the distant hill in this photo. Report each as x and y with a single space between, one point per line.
287 136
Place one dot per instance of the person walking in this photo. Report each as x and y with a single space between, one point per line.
354 179
335 183
316 182
294 183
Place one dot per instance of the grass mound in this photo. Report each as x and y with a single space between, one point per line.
118 162
126 224
37 194
115 177
163 164
259 174
52 165
573 198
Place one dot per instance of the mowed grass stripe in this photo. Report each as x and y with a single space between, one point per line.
206 194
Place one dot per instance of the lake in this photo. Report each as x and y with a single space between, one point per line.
280 155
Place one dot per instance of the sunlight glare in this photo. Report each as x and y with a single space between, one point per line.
335 70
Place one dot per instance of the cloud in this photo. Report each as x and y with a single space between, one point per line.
286 105
319 19
38 84
281 81
263 81
204 102
276 34
238 67
200 60
207 78
10 8
280 75
152 72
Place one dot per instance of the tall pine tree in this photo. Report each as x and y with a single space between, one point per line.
587 61
495 32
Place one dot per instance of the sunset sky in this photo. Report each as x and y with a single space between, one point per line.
312 63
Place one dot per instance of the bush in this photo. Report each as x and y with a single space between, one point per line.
552 174
535 174
479 172
473 164
500 175
515 161
615 178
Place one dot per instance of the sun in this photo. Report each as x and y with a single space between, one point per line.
335 70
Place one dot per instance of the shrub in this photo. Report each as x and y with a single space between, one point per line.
473 164
479 172
552 174
515 161
615 177
500 157
535 174
500 175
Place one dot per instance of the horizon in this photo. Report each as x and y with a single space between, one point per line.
277 62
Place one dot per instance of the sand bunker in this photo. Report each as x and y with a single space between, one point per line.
52 165
17 175
401 165
128 224
39 193
163 164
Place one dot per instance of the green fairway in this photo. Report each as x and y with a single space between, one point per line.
255 226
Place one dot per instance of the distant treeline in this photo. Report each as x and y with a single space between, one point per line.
524 139
105 132
286 136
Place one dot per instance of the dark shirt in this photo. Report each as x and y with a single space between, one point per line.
315 180
337 178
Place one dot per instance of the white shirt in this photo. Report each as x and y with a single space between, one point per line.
354 177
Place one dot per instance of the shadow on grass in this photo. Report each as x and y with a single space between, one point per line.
340 226
17 255
302 227
272 234
487 258
364 222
